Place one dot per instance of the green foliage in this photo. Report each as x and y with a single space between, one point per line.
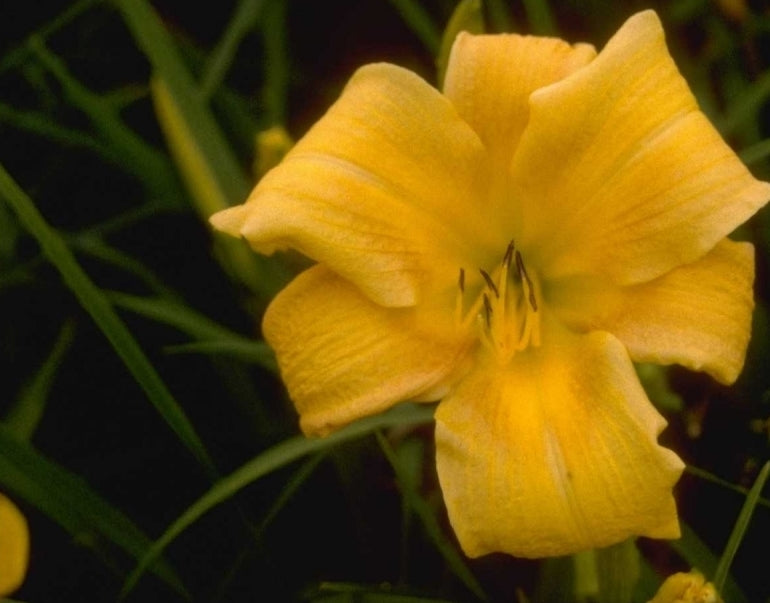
114 294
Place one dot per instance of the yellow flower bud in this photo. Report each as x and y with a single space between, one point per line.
690 587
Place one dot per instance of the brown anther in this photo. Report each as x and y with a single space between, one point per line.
490 283
487 310
461 280
532 300
508 255
523 274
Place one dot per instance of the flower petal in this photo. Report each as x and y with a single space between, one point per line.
698 315
384 189
619 172
14 547
555 453
490 77
344 357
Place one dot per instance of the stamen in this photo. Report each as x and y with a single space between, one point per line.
532 298
523 274
488 311
504 307
490 283
508 255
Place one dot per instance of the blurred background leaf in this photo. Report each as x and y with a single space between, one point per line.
125 124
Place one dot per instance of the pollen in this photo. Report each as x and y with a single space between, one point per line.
504 306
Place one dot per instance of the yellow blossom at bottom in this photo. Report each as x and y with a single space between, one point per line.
14 547
690 587
509 246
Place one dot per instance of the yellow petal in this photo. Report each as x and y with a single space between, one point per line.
384 189
343 357
556 453
690 587
490 78
698 315
14 547
619 172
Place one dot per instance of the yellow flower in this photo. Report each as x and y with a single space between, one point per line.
690 587
509 247
14 547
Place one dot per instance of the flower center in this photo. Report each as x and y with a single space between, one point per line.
505 308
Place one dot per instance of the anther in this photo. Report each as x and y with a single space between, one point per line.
461 280
490 283
523 274
508 255
532 299
488 310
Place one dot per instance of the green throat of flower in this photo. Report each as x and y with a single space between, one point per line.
504 309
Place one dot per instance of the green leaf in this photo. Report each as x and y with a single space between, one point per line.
151 167
152 38
420 22
540 17
756 153
97 305
244 20
276 62
255 352
213 338
741 525
67 499
40 124
467 16
429 522
695 552
618 571
292 485
710 477
24 417
279 456
499 15
19 54
744 107
97 248
204 157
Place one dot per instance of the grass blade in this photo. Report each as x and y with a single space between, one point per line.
157 45
695 552
741 525
291 487
211 336
243 21
710 477
150 167
540 17
275 89
276 457
97 305
429 522
756 152
207 150
246 350
746 105
420 23
25 415
39 124
69 501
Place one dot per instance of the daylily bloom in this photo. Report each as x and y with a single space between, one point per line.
14 547
508 247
